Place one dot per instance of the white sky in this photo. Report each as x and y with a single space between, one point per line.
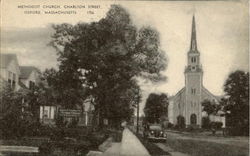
222 35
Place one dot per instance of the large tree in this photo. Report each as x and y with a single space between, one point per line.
156 107
63 87
107 56
210 107
236 102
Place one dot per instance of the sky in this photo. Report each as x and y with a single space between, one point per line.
221 26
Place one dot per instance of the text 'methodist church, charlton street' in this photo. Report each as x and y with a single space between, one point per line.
186 106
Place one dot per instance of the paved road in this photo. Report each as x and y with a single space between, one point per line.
241 142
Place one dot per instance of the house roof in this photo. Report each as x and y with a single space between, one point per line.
6 59
26 71
22 85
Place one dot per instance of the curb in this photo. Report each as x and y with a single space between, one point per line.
106 144
102 148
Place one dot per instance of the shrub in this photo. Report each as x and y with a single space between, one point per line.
57 134
170 125
12 127
45 148
238 131
180 122
216 125
60 122
189 128
73 123
206 123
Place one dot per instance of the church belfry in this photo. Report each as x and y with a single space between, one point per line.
193 58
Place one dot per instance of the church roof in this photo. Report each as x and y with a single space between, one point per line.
178 93
211 94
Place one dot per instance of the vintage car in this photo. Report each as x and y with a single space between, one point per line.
155 133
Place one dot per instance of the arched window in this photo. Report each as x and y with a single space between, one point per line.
193 119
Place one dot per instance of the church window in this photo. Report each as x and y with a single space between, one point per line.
193 91
193 59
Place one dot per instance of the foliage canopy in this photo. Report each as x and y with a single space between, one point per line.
106 57
156 107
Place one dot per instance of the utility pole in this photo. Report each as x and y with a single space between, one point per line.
138 118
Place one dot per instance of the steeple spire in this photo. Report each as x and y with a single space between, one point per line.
193 46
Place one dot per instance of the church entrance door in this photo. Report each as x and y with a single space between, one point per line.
181 121
193 119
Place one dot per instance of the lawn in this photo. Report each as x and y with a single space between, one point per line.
35 141
205 148
153 149
78 140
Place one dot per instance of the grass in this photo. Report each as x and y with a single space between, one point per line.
20 154
205 148
25 142
153 149
84 143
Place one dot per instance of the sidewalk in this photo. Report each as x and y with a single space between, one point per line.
129 146
18 149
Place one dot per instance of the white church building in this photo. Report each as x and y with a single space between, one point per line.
186 104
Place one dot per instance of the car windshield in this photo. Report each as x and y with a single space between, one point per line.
155 127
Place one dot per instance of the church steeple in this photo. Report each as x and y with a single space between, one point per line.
193 55
193 45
